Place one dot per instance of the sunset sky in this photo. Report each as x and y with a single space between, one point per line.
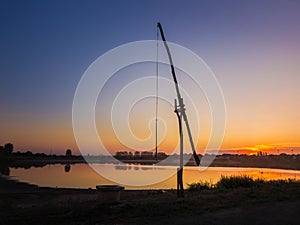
252 47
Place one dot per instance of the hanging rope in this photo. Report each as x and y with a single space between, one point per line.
156 97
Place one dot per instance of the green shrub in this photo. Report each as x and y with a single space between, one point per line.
237 181
284 181
231 182
201 185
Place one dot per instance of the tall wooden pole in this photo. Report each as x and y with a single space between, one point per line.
180 112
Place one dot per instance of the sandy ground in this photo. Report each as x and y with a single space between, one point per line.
21 203
279 213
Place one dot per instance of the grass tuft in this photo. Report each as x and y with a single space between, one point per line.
229 182
201 185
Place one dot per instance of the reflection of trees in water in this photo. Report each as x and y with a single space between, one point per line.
130 167
127 167
26 167
146 168
4 169
121 167
67 168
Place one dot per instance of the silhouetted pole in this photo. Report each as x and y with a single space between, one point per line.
180 189
180 112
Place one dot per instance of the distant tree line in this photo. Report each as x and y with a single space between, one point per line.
125 155
7 149
5 158
17 159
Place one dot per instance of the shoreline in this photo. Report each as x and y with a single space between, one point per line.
15 180
262 204
41 163
283 161
16 184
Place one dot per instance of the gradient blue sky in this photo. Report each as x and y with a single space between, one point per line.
252 46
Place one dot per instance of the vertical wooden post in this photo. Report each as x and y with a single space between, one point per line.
180 190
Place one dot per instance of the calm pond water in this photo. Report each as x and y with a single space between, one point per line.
83 176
